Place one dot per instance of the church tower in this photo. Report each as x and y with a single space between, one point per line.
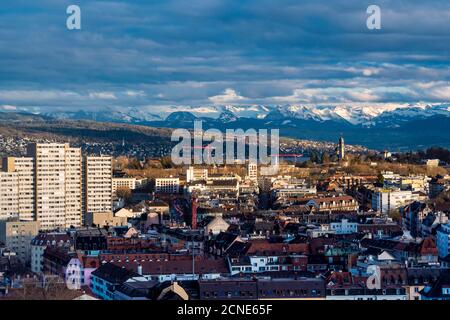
341 149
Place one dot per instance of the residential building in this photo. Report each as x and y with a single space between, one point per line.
300 288
57 169
123 182
104 219
443 240
9 195
167 185
344 227
439 290
97 176
24 167
387 200
17 236
47 240
252 171
177 270
194 174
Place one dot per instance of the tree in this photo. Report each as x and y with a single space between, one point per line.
325 158
380 178
394 215
166 162
443 197
314 157
124 193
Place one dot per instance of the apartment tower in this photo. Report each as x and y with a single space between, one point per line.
57 184
23 171
97 181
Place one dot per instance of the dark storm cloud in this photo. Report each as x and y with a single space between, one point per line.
197 52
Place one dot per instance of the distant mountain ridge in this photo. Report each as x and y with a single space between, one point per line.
392 127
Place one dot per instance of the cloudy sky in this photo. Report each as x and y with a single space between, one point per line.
153 54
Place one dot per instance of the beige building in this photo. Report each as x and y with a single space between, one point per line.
194 174
216 226
54 186
97 176
252 171
24 167
17 236
103 219
159 207
73 189
57 182
9 195
167 185
123 182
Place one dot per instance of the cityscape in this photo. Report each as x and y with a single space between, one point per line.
219 159
79 226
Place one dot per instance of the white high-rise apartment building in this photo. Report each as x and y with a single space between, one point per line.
73 187
97 175
24 168
54 186
57 169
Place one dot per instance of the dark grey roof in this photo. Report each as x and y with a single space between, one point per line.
114 274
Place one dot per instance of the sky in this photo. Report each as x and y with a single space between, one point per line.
155 54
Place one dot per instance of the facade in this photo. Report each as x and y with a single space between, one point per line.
344 227
386 200
24 167
109 277
439 290
57 169
97 177
17 236
194 174
177 270
330 204
73 187
103 219
252 171
167 185
262 289
9 195
443 240
123 182
44 241
359 293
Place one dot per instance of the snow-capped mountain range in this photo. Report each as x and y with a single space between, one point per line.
366 116
384 126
